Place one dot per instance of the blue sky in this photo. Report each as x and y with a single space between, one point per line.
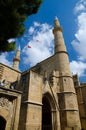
38 34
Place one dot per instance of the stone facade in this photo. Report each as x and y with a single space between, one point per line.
10 101
43 97
81 97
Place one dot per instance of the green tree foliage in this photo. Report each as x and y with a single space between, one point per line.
12 15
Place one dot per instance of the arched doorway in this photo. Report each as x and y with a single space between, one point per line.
2 123
49 112
46 115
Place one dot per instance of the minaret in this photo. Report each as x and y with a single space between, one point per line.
16 59
69 114
60 48
59 40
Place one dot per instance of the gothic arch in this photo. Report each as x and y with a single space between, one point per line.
49 117
2 123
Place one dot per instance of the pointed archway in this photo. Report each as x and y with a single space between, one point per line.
46 115
48 112
2 123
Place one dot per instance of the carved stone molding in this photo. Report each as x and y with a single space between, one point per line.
4 102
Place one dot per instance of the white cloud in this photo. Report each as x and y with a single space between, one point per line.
78 67
36 24
41 44
4 59
31 30
80 6
79 43
80 58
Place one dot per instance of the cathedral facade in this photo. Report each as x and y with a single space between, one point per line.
44 97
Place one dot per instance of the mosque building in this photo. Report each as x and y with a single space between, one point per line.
44 97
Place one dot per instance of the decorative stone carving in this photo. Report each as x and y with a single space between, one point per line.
4 102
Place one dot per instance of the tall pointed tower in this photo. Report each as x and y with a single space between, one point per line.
16 59
60 48
69 114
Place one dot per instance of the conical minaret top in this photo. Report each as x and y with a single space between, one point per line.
58 37
56 22
16 59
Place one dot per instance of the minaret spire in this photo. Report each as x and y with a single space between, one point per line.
56 22
60 48
16 59
59 40
67 92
